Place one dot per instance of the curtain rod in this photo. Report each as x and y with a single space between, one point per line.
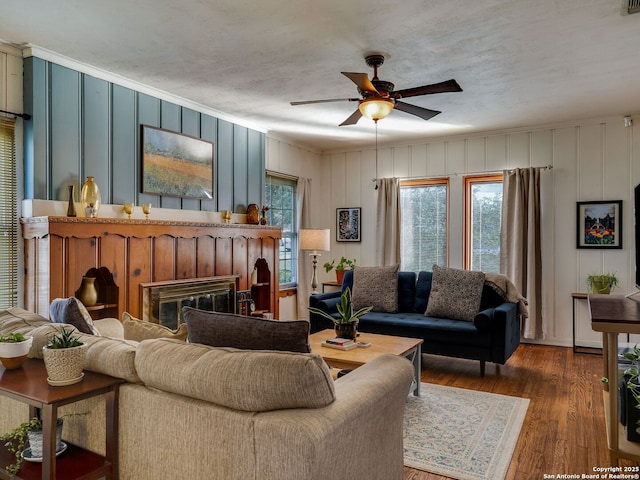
456 174
24 116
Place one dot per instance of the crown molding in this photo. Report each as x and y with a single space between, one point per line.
44 54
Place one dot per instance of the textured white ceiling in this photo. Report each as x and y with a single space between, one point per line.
518 62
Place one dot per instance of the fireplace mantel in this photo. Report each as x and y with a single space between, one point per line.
60 250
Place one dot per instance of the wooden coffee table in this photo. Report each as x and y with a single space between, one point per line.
410 348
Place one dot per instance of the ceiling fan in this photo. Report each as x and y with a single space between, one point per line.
379 98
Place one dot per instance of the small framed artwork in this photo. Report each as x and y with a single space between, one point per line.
347 224
599 224
176 165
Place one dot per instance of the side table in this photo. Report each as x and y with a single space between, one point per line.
29 385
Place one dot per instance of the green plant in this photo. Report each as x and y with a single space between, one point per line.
17 441
602 282
12 338
632 375
345 309
341 265
64 340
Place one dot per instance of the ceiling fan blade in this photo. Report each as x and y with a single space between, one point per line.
442 87
307 102
423 113
362 81
353 119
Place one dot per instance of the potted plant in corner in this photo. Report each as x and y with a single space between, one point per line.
64 358
14 348
341 266
602 283
346 325
632 379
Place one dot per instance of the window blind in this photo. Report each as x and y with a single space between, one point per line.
8 215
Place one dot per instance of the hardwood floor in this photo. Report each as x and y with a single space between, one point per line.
563 432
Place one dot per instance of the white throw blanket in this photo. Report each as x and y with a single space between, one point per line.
505 288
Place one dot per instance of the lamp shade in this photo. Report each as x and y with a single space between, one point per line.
375 108
315 239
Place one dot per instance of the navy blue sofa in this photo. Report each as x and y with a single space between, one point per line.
493 336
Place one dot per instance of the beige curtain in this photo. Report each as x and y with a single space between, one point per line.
388 222
520 248
303 198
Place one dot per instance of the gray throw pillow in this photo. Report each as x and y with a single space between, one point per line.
73 312
455 294
248 333
376 287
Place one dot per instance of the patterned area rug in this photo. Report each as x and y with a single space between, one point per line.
460 433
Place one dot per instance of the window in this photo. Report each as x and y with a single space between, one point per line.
8 216
280 197
424 224
483 212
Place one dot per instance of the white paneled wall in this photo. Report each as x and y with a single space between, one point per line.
592 160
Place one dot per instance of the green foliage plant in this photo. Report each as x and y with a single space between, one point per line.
65 339
12 338
345 309
596 281
343 264
17 441
632 375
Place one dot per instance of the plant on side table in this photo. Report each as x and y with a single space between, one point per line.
64 358
632 379
14 348
346 326
602 282
341 266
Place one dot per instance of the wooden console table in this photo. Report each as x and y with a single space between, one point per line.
612 315
29 385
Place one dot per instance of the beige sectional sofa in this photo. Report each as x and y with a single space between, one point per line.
189 411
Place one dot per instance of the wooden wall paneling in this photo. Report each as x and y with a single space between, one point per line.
36 87
205 256
96 134
240 266
224 179
209 131
240 169
255 167
224 252
190 126
163 258
148 109
186 263
139 269
81 255
65 130
170 119
125 158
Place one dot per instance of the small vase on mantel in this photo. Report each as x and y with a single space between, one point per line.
71 208
87 292
90 198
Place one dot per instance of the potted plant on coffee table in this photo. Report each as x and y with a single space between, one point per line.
602 282
14 348
341 266
64 358
346 325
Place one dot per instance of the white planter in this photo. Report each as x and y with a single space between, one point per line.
13 355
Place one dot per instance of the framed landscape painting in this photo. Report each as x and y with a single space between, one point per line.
176 165
599 224
347 224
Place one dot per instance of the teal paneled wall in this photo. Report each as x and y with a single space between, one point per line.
83 126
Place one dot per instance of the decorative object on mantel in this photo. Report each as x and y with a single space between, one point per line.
226 216
14 348
64 358
71 208
253 214
90 198
87 292
146 209
263 218
128 209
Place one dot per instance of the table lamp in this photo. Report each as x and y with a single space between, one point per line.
315 239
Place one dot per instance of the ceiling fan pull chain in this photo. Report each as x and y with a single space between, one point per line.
376 154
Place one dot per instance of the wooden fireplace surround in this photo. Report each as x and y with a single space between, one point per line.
58 251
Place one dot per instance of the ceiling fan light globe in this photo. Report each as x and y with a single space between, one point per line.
375 108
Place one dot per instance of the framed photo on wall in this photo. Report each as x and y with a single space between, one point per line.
599 224
176 165
348 224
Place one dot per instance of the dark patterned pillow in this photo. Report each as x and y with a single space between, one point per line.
455 294
376 287
248 333
73 312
